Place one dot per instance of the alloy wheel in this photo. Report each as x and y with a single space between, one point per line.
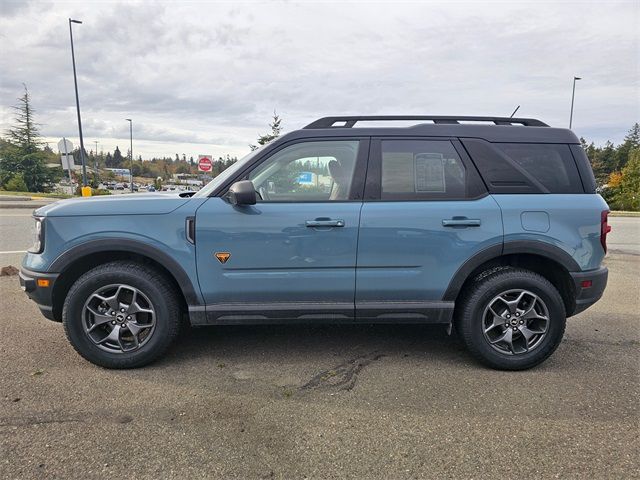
118 318
515 322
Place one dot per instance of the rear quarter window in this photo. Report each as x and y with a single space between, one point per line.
550 164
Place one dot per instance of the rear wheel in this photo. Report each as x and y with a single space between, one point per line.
511 319
121 315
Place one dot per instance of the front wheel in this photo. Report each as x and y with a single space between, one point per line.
511 319
121 315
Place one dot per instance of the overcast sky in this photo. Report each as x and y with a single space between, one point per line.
204 77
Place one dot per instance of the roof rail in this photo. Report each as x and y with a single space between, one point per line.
350 121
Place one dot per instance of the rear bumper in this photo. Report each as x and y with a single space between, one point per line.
588 295
42 296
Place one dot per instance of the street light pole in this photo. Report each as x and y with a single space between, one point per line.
131 152
95 159
75 81
573 95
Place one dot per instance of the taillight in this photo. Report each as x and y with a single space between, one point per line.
604 229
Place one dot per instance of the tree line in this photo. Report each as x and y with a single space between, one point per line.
24 158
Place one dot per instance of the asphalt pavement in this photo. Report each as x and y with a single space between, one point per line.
324 402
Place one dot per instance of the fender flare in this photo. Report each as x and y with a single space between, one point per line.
132 246
532 247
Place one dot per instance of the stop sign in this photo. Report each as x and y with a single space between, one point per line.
204 163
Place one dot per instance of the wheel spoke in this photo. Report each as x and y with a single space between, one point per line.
98 318
506 337
527 335
135 328
113 336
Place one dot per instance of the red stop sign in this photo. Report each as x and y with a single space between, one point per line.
204 164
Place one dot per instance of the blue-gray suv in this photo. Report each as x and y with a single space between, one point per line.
489 226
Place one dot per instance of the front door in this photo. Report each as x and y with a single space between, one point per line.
292 255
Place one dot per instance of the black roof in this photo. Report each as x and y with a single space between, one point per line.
492 129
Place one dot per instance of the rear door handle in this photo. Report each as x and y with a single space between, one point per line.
324 222
461 222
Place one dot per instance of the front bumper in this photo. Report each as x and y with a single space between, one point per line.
42 295
588 295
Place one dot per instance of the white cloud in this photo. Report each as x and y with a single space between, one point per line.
205 77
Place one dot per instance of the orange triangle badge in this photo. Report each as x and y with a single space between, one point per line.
222 256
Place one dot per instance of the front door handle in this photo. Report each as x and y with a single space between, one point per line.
461 222
324 222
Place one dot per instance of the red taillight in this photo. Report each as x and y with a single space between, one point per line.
604 229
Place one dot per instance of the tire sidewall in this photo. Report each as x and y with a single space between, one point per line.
494 287
73 318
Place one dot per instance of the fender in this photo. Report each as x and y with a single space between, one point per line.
132 246
533 247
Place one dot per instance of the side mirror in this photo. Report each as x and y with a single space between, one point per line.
242 193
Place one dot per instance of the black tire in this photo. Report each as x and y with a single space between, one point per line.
155 286
475 300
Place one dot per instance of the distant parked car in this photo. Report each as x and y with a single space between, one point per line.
151 188
120 186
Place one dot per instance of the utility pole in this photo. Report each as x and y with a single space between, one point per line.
573 95
131 152
75 81
95 159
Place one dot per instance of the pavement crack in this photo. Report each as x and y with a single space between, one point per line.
342 377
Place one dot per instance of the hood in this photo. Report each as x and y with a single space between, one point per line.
125 204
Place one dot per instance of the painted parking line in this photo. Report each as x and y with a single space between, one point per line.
16 215
12 251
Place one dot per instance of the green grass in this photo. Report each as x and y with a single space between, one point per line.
620 213
35 194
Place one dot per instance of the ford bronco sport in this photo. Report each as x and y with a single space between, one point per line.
489 226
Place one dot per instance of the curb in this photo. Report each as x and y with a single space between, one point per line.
26 205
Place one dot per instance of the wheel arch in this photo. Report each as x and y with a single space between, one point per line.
547 260
78 260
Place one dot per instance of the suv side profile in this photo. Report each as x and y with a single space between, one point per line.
488 225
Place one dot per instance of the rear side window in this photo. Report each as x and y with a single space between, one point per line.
421 169
525 167
551 164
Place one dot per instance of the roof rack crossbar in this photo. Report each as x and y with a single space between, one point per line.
350 121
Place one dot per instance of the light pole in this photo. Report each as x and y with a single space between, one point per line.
573 95
95 159
131 152
75 81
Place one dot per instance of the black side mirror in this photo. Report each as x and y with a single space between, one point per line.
242 193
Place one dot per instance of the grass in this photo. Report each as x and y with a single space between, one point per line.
622 213
35 194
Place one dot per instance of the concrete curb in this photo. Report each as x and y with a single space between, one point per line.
26 205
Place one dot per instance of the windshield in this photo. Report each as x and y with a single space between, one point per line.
229 172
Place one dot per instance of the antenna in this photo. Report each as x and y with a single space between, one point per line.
514 112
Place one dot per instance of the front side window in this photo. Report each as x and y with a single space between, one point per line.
421 169
308 171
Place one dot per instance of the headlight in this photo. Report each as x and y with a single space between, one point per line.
38 236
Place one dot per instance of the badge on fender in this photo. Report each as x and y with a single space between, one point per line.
222 256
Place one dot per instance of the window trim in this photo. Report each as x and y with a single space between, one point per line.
356 192
373 183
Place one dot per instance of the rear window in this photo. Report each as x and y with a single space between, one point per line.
550 164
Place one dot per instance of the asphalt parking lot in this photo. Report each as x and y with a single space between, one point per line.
325 402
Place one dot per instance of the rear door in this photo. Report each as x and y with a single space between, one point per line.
426 212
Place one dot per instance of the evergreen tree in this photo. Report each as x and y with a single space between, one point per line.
276 129
21 155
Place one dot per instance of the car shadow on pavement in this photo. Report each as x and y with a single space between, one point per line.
291 343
